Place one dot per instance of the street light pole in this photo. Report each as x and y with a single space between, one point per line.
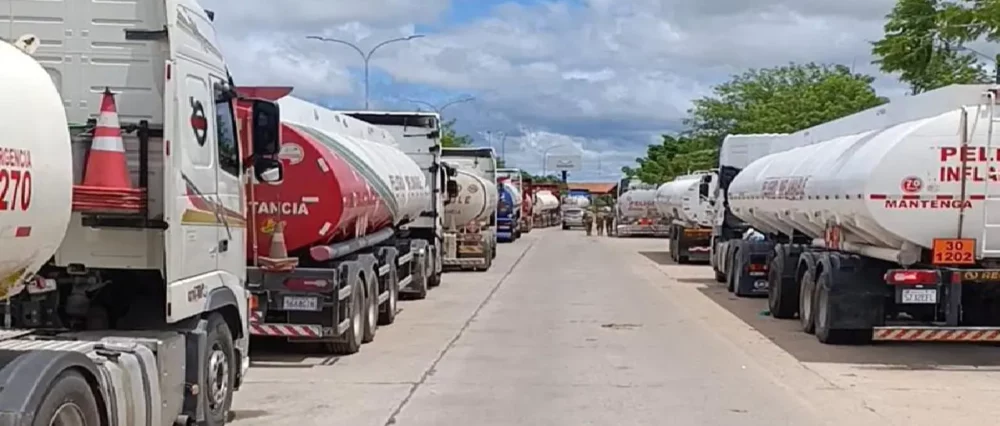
440 109
489 135
365 56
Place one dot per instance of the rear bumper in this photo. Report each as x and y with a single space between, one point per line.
651 230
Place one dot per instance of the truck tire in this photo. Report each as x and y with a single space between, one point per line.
730 274
220 371
69 401
419 284
432 260
825 332
807 301
782 293
371 309
352 338
388 313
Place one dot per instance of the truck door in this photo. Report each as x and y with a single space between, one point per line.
191 184
231 210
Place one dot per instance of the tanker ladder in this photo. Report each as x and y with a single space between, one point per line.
690 244
846 298
341 298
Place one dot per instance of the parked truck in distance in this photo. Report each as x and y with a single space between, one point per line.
332 250
880 222
688 203
122 268
523 186
477 169
508 210
730 234
469 242
636 213
572 207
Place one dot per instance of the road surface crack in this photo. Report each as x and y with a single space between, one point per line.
433 367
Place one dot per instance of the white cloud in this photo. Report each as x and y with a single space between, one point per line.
606 75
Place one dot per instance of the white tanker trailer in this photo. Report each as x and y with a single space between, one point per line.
472 243
876 228
687 203
465 217
545 201
138 324
636 214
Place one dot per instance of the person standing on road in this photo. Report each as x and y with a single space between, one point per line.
609 223
588 221
600 223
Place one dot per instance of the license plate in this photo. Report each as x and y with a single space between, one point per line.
293 303
918 296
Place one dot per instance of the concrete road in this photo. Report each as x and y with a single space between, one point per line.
575 330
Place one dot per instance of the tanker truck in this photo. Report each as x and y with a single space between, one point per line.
479 165
124 304
545 209
636 214
467 243
881 222
729 231
572 208
418 135
331 252
516 178
688 203
508 211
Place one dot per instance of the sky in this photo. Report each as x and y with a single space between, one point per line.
596 78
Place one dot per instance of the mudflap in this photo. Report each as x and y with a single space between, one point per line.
850 299
749 268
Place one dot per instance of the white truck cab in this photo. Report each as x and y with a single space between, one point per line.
148 305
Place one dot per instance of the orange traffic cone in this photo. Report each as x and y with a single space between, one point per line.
107 166
106 185
277 259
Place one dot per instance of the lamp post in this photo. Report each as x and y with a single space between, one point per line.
491 136
365 56
545 156
440 109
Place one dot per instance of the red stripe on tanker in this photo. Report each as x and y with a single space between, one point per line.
884 187
638 203
343 179
476 201
36 167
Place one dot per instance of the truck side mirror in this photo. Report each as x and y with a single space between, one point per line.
452 189
265 129
268 170
703 189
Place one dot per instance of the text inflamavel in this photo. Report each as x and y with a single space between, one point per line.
977 161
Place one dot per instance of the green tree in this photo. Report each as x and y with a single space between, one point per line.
781 99
451 138
922 43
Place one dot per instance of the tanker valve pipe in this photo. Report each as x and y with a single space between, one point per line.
333 251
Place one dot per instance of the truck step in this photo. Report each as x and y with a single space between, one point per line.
936 334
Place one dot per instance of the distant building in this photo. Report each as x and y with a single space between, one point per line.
595 188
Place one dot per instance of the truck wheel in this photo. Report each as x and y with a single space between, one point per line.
807 301
825 332
388 313
730 276
371 311
782 294
419 285
220 371
435 279
352 338
69 402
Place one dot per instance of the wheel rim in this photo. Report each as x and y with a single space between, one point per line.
356 317
807 299
820 319
372 308
392 295
218 376
68 414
